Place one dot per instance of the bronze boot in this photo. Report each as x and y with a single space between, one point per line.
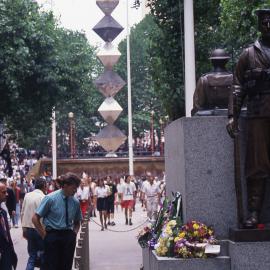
252 221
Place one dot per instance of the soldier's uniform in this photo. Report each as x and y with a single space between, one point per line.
212 91
252 81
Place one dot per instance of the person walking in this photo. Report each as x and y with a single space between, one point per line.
31 202
102 192
128 198
83 195
111 200
15 218
61 215
8 257
10 201
151 194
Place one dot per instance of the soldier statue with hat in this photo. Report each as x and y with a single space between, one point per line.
213 89
252 83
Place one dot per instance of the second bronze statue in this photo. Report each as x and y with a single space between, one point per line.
213 89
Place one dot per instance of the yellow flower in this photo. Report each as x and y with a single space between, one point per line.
172 223
196 226
168 231
196 233
182 234
176 239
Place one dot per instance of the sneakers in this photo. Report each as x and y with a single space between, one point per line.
109 223
130 223
126 221
113 223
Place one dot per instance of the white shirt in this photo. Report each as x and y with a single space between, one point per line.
128 191
102 192
151 190
83 193
31 202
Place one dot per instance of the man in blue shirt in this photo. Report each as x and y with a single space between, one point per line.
61 215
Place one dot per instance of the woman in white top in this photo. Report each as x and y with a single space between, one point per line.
83 195
101 193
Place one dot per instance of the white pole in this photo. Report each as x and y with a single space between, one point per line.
190 79
130 136
54 162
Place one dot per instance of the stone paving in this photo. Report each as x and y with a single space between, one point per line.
116 250
108 250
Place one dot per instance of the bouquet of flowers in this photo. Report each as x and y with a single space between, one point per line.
144 236
165 243
169 215
192 240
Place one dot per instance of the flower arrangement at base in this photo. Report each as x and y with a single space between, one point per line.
192 239
165 243
144 236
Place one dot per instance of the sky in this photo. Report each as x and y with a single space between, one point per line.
83 15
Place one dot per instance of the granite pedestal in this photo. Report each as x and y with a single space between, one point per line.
199 164
249 256
237 256
164 263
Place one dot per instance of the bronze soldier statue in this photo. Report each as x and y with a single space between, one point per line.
213 89
252 82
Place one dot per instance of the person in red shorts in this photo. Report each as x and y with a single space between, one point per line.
128 198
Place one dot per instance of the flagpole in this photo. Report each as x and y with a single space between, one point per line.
130 136
190 79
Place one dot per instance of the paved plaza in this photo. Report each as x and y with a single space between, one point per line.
108 250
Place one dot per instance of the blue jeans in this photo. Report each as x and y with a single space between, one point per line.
15 219
35 247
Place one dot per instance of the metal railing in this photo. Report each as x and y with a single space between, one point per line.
82 155
81 256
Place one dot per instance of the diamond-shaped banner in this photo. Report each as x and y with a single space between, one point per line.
108 55
110 110
108 28
109 83
110 138
107 6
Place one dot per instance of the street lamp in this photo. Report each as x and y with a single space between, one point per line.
161 137
72 134
152 132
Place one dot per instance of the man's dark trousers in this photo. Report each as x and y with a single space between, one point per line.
59 247
35 245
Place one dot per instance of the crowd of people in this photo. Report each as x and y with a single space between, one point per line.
50 211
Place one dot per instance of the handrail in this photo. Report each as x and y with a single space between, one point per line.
81 256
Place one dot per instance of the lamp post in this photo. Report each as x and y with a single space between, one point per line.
54 150
72 134
161 137
152 133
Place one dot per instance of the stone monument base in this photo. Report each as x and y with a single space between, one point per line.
244 235
235 256
155 262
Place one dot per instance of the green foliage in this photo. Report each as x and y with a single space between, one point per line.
239 23
28 69
167 48
166 55
144 99
41 66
